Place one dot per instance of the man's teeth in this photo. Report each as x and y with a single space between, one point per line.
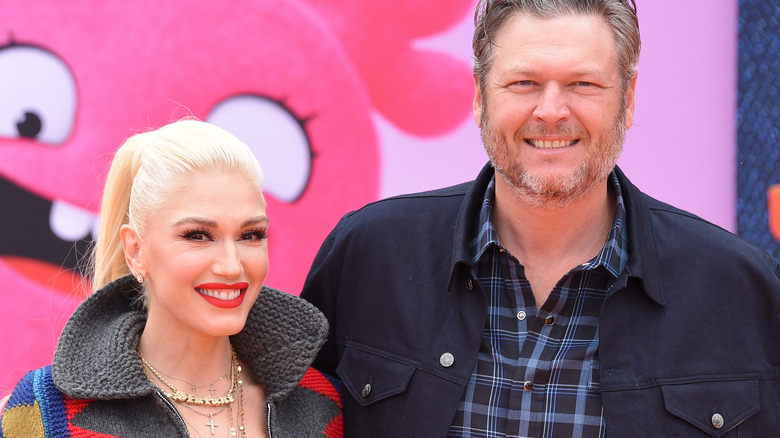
225 295
551 144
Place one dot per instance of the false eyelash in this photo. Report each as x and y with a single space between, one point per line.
261 233
195 231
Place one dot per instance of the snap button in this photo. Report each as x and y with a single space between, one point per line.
366 390
446 360
528 385
717 420
469 285
550 320
521 315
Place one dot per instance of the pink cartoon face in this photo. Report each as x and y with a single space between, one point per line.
115 69
295 80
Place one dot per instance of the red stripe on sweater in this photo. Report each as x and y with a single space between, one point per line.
317 382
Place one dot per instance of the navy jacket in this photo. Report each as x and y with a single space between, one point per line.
689 334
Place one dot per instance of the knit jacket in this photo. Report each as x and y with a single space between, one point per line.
97 387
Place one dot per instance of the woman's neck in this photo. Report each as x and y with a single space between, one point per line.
187 356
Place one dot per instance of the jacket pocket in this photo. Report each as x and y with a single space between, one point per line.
371 375
715 407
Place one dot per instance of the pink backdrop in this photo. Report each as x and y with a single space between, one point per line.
383 96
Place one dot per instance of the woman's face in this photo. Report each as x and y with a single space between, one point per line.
204 255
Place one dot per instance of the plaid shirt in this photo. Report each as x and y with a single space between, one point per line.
537 372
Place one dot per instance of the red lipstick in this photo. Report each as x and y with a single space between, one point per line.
223 304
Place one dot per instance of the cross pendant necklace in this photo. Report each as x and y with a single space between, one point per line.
212 424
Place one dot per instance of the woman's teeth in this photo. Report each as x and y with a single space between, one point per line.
225 295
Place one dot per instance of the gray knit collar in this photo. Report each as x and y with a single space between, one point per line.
96 354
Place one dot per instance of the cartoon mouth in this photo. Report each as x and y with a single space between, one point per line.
41 242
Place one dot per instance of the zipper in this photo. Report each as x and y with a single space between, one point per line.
175 411
268 408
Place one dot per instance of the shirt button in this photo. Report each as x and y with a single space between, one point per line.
446 360
528 385
717 420
521 315
550 320
366 390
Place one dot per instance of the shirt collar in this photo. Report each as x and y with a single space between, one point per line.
613 255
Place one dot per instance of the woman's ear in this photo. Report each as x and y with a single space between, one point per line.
131 244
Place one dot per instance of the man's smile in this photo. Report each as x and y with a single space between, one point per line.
550 144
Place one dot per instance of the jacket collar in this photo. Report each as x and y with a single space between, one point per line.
643 262
96 355
642 258
468 218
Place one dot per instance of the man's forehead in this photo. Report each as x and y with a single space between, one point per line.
562 33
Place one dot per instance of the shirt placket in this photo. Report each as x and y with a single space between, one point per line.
545 332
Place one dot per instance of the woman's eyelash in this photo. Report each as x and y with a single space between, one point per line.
259 233
196 232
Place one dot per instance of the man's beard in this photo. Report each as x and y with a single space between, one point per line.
542 191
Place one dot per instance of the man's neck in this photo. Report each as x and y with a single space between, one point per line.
549 242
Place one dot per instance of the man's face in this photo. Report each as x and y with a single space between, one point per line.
551 111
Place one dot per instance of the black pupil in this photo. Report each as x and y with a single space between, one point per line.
30 126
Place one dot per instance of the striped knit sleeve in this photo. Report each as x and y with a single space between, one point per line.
21 415
330 388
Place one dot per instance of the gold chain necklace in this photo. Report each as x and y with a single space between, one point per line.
183 397
240 403
211 424
194 387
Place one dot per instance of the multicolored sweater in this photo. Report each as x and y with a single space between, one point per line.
96 386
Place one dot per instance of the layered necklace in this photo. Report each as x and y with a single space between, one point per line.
195 387
234 394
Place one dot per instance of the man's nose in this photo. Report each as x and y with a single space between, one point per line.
552 106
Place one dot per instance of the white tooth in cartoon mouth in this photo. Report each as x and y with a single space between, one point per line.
222 294
541 144
70 223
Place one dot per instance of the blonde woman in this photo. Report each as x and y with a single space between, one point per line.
181 337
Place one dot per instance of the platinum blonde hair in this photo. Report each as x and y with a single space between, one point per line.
147 168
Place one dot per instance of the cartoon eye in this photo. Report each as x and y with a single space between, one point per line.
277 138
37 95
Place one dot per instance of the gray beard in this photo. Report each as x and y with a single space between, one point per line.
545 192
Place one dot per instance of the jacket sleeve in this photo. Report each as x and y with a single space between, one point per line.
312 409
321 289
21 413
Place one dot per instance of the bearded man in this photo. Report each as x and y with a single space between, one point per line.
549 297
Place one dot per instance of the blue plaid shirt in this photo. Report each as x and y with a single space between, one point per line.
537 372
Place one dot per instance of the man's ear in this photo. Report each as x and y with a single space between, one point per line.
131 244
630 102
477 104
